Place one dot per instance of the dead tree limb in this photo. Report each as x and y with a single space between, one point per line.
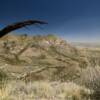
19 25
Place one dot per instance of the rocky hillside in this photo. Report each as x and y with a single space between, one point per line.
42 58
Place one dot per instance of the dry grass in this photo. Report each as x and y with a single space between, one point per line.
19 90
21 56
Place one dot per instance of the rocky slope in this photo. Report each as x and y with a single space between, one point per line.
42 58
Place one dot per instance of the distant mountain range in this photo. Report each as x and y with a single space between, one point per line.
86 45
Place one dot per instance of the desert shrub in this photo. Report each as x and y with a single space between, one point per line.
51 36
42 56
3 75
23 36
3 78
66 73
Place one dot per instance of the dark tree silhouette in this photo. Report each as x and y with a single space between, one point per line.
17 25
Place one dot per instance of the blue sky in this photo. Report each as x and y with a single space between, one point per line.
74 20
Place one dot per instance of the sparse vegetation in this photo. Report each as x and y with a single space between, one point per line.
47 59
43 91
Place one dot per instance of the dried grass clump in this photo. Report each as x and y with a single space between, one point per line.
90 77
19 90
3 78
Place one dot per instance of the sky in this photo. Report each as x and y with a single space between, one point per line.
73 20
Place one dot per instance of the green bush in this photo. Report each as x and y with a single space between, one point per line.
51 36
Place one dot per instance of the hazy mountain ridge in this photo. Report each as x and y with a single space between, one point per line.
86 45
